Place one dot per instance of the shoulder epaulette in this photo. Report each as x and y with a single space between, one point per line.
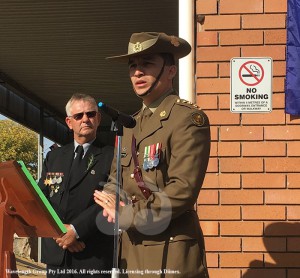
187 103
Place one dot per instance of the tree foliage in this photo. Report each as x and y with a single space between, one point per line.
19 143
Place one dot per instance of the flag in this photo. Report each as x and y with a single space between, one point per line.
292 85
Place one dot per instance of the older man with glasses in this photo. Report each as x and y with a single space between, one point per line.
70 176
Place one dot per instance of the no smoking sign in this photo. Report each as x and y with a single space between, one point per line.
251 85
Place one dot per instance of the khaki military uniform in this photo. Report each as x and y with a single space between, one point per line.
162 236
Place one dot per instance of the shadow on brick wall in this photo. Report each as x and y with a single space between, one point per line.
281 257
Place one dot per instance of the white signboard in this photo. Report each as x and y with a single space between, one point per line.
251 85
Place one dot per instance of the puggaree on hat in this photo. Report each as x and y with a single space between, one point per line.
154 43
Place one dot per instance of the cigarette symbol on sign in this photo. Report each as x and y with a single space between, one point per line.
251 73
254 70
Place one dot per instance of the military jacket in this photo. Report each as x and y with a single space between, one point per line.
177 139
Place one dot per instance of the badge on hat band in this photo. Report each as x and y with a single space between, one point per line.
152 156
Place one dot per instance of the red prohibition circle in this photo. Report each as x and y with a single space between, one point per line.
258 80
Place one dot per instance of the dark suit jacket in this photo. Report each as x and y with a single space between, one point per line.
74 204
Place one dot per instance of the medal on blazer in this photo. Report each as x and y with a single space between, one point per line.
151 156
53 180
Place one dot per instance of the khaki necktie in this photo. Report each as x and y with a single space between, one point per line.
145 117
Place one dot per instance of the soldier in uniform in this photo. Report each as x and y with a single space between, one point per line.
164 160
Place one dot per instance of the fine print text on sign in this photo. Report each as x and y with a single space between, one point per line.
251 85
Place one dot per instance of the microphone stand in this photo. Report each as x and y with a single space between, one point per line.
118 128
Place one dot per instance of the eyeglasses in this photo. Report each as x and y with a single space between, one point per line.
79 116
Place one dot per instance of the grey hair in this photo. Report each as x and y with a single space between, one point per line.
77 97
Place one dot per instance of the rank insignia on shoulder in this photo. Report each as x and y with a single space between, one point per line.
188 103
198 119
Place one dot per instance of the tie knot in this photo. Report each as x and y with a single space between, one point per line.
79 151
147 112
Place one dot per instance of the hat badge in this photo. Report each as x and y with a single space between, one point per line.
175 41
137 47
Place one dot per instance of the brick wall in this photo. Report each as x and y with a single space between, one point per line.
249 207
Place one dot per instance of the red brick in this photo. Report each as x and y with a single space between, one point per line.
293 180
221 181
264 273
237 228
282 260
223 244
222 22
263 149
224 273
210 228
238 165
224 101
279 68
278 101
293 212
213 149
288 197
282 132
278 84
289 164
207 70
274 118
212 259
263 212
293 120
241 133
211 181
293 244
207 101
236 7
208 197
293 148
276 6
276 52
263 180
219 212
266 244
229 149
281 229
222 118
243 37
263 21
241 260
206 6
229 180
213 165
240 197
275 36
224 69
214 133
207 38
213 85
209 54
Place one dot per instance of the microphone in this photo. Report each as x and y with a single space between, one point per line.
123 119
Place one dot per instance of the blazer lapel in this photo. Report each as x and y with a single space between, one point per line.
66 166
161 113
